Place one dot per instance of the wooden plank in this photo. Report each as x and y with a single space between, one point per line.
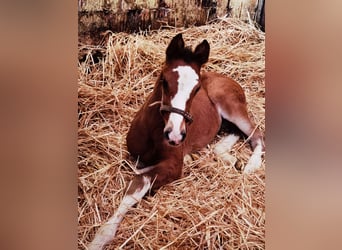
260 14
134 15
243 9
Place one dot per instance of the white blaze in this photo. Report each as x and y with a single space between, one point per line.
187 80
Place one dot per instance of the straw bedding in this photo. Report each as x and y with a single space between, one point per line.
213 206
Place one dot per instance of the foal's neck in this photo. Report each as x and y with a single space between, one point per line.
151 108
155 97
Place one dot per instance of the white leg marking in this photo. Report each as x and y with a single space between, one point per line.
187 159
255 161
107 231
223 147
143 170
244 125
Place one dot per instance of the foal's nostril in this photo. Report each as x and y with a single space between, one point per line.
183 134
166 133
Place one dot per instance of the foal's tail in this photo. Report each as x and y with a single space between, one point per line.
137 189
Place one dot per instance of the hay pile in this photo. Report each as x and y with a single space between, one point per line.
213 206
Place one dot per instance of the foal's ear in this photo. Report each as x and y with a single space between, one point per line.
176 45
202 52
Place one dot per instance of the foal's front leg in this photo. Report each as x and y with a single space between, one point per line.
151 177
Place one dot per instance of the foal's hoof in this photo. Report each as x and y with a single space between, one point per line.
228 159
238 165
187 159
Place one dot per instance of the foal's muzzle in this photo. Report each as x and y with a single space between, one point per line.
172 141
175 137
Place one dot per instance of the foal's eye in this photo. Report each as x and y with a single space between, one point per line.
163 113
165 85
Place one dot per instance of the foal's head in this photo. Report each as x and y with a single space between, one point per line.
180 81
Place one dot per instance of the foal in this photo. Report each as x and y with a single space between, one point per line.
182 114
